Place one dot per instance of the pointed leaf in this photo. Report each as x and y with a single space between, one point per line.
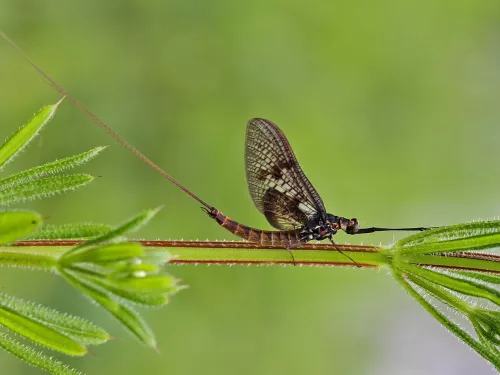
486 277
142 286
49 168
39 333
141 282
150 299
34 357
460 285
25 134
129 226
479 347
461 237
126 315
488 324
43 187
75 327
67 231
102 255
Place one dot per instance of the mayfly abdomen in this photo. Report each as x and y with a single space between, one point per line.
263 237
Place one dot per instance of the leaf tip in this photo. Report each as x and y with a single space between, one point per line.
155 347
60 101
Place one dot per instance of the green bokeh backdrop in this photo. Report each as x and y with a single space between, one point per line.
391 107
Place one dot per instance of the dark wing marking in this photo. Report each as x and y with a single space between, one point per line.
282 211
279 188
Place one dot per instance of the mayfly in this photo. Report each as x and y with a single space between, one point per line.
281 191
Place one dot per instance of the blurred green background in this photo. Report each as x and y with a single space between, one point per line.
392 110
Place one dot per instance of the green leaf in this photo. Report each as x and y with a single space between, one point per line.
124 314
50 168
134 269
482 324
145 298
43 187
486 341
143 283
25 134
15 225
156 255
483 349
103 255
487 323
130 226
34 357
461 237
455 261
460 285
75 327
67 231
489 278
39 332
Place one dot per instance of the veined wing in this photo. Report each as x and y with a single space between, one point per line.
279 188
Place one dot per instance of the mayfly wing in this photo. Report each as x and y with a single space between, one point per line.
279 188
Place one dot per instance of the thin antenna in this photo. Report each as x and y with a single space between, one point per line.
99 122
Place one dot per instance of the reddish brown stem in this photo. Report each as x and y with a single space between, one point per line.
232 245
213 245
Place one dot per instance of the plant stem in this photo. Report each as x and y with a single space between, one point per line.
228 252
246 253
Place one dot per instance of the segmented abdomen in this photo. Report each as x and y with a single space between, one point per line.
263 237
